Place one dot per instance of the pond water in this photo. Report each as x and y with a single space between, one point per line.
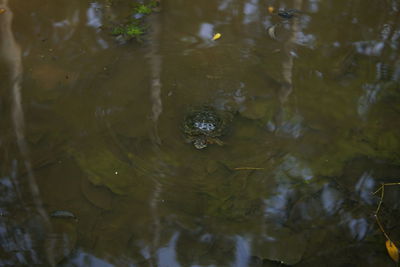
95 168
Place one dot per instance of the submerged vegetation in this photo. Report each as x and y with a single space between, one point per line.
130 30
134 26
143 9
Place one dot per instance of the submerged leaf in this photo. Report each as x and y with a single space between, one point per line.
271 9
392 250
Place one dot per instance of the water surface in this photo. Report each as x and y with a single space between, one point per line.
95 170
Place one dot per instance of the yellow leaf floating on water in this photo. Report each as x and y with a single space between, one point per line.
392 250
216 36
2 10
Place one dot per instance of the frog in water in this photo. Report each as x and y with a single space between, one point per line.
204 125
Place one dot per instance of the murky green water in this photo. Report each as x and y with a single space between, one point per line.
94 167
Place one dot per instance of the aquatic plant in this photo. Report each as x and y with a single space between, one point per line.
134 30
129 31
143 9
133 26
118 30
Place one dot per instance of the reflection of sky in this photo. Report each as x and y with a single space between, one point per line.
331 199
313 6
84 259
206 31
293 126
394 40
242 253
296 169
6 190
385 32
291 170
65 29
224 4
358 227
9 186
94 19
250 11
276 206
15 240
364 187
305 39
369 48
167 255
390 35
93 16
368 98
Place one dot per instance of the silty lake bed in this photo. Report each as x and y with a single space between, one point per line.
95 167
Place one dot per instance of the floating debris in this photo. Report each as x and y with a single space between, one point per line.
62 214
271 31
216 36
2 10
392 250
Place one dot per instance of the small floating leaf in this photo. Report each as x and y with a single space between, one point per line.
2 10
271 9
216 36
392 250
